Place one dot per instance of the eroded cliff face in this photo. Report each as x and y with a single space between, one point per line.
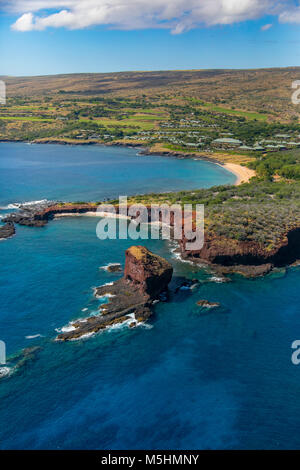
249 258
51 211
226 255
130 298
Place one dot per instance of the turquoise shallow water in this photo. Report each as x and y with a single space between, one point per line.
190 379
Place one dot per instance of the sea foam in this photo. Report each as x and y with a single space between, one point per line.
34 336
18 205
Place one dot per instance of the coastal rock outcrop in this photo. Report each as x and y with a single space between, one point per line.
146 276
30 214
208 304
114 268
18 361
24 219
249 258
7 230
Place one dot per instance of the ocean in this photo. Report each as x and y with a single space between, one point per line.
189 378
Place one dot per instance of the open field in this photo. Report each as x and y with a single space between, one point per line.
236 112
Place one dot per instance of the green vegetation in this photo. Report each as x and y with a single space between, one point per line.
220 109
258 211
285 164
187 110
243 117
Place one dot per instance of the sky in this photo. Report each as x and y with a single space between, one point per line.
41 37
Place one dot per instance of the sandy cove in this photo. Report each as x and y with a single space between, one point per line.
242 173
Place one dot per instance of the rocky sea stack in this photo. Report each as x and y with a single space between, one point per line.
146 276
148 272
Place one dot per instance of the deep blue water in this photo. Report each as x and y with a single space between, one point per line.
190 379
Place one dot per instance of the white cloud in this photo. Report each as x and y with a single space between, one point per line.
177 15
290 16
265 27
24 23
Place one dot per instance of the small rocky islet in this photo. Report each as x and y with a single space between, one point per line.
114 268
18 361
207 304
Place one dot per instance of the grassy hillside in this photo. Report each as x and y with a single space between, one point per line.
265 91
232 115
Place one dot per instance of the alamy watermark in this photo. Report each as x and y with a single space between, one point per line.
2 92
295 358
296 94
2 353
155 221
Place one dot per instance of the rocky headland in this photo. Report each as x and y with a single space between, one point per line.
146 277
223 255
248 258
29 214
7 230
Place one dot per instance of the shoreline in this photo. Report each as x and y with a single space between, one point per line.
100 215
242 173
224 256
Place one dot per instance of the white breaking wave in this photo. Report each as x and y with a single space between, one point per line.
104 296
217 279
70 326
34 336
65 329
17 205
107 266
177 255
147 326
193 286
4 372
126 323
85 336
95 288
118 326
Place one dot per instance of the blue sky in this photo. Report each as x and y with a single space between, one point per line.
36 49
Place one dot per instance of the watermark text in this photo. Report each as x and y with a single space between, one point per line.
156 221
